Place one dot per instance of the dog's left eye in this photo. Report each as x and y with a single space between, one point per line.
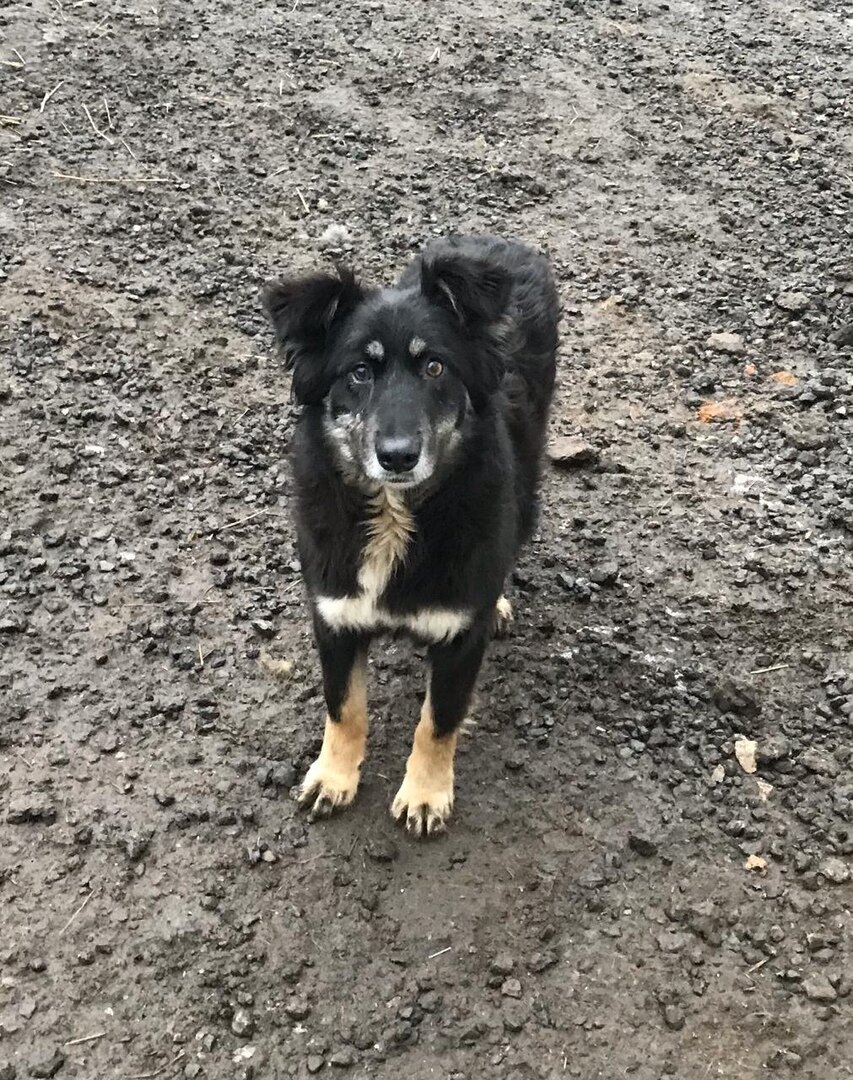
434 368
360 373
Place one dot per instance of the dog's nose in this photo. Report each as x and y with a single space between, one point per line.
398 453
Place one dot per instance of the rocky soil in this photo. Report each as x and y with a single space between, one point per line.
649 873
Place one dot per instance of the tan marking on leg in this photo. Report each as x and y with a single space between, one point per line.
332 780
503 616
426 794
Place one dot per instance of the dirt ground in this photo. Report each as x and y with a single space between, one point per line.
619 895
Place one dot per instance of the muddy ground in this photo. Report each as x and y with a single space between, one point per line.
618 895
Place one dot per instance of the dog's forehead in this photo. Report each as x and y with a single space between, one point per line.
397 326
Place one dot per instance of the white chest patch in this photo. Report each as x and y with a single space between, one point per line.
389 530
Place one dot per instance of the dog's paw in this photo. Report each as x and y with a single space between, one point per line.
503 616
328 786
425 805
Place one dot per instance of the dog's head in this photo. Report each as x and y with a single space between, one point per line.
399 373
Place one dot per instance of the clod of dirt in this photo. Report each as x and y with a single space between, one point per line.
511 988
33 806
46 1060
725 343
642 844
835 870
731 696
773 748
344 1059
792 301
820 762
541 961
745 751
297 1008
844 336
569 452
606 573
242 1023
817 987
502 964
382 850
673 1017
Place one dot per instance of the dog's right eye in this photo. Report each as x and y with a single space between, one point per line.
360 373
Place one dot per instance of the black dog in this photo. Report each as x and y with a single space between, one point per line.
416 461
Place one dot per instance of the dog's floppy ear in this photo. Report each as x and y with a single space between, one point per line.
306 314
475 290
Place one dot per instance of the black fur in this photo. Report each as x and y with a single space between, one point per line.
487 309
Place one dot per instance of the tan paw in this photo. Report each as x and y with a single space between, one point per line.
328 786
332 780
503 616
426 806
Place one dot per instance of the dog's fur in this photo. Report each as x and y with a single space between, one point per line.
416 460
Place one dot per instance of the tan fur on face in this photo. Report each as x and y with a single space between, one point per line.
426 794
332 780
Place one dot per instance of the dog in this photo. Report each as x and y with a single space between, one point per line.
416 460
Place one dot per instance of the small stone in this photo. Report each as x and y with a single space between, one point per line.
792 301
314 1063
502 964
817 987
835 870
263 628
642 844
511 988
343 1059
242 1023
745 752
46 1060
572 452
673 1017
725 343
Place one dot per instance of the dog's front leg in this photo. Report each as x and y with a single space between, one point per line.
332 780
426 794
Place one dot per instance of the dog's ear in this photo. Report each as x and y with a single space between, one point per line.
475 290
306 313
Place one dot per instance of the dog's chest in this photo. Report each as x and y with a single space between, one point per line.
390 530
